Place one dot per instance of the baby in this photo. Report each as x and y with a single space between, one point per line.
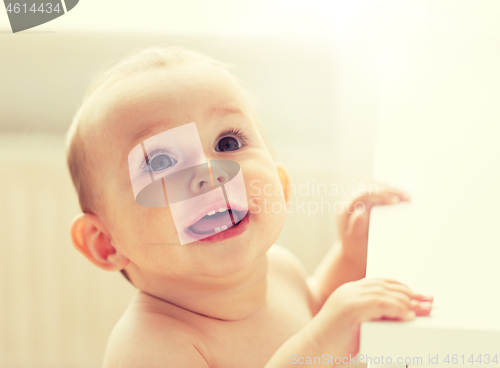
213 291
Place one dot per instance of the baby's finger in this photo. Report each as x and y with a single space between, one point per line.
381 281
381 187
396 197
421 308
386 280
423 297
395 285
402 288
397 292
369 200
388 307
366 201
393 196
401 297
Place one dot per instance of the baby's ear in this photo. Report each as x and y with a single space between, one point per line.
90 237
284 179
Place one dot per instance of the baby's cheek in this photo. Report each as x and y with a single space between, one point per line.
265 193
149 226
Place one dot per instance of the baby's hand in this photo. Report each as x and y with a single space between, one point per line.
335 329
353 222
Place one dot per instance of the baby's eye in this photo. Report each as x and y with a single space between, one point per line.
228 144
162 162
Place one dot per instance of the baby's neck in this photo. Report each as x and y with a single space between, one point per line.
228 298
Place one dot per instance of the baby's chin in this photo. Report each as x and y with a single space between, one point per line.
205 264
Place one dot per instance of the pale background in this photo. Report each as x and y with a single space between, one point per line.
445 241
320 70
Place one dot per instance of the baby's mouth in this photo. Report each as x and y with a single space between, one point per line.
216 221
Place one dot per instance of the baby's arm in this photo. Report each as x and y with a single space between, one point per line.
334 331
346 261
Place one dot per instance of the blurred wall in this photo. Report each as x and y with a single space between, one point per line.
56 309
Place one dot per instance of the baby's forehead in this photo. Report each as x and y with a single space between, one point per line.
168 95
148 102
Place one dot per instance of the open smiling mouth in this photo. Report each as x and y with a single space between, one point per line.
216 221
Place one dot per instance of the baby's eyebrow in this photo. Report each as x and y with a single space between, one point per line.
161 126
150 130
221 111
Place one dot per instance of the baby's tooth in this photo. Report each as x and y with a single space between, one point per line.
211 213
222 209
217 229
223 227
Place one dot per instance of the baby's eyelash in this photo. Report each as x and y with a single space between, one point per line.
232 132
152 152
151 155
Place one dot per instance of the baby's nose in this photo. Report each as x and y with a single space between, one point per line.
220 176
201 181
223 171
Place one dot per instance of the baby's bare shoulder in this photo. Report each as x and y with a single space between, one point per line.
284 263
144 338
289 272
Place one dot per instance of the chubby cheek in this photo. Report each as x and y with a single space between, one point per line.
266 205
144 234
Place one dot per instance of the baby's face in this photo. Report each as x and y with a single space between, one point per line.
142 108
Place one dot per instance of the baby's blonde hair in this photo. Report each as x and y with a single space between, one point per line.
79 159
